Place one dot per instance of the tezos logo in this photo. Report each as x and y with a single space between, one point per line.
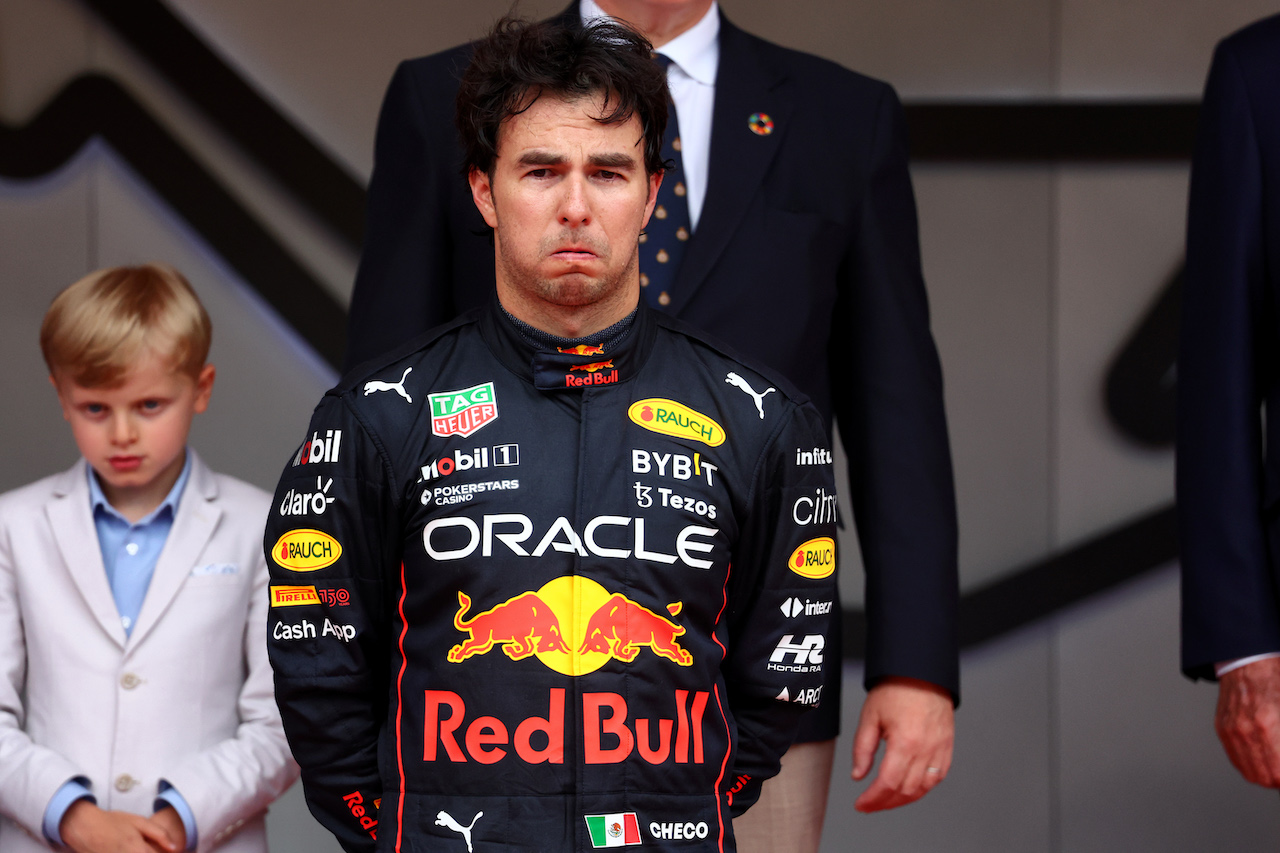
667 417
306 550
317 449
815 559
463 412
806 655
305 503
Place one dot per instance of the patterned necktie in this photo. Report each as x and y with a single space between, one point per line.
663 241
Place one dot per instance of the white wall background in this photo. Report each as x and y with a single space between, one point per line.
1076 734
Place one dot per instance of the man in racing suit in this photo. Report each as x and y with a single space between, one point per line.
557 576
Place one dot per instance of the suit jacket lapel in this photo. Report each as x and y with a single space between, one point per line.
197 518
745 84
72 523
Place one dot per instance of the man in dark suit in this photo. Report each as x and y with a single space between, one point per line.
1228 391
792 232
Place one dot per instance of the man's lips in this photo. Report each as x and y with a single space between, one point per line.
125 463
574 253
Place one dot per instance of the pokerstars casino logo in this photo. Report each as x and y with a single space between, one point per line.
463 412
815 559
667 417
572 625
306 550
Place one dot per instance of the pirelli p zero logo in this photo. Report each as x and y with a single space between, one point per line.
667 417
815 559
292 596
463 412
306 550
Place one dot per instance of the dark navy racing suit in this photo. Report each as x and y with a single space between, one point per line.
550 601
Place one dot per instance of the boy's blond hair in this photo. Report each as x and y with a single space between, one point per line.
98 327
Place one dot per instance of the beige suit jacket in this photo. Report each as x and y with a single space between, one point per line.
187 697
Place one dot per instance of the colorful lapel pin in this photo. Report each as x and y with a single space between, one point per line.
760 124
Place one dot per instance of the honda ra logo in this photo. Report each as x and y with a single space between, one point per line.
805 656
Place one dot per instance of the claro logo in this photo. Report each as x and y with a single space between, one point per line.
667 417
306 550
815 559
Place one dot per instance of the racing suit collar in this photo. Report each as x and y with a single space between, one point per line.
561 370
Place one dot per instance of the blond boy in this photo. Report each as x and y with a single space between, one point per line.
136 706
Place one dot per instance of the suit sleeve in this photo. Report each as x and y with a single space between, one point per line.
888 401
402 285
1229 596
329 627
30 774
232 780
781 599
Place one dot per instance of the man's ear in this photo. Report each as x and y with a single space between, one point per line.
655 181
482 195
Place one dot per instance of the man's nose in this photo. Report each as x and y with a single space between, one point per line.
574 207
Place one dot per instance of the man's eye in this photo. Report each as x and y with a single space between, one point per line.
605 174
539 173
94 408
150 405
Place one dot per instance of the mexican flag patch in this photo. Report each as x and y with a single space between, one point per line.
613 830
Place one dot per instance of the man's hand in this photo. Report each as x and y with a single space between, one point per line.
85 828
917 722
1248 720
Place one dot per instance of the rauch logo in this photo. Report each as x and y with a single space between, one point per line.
815 559
306 550
667 417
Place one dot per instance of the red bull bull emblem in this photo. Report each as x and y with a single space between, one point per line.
593 366
572 625
582 349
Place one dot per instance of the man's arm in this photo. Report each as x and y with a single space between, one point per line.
328 630
763 628
1230 604
402 285
887 384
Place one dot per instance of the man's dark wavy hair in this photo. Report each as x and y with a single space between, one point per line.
519 62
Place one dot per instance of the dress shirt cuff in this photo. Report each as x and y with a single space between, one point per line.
76 788
169 796
1221 669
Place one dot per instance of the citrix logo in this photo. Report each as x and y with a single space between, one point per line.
317 449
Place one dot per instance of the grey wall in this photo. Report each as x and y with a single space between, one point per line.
1076 734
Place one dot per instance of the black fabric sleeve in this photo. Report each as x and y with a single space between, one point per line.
782 591
888 402
331 548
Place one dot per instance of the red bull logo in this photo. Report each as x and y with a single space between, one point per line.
593 366
582 349
522 625
609 734
572 625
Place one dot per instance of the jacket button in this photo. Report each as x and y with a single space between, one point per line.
124 782
129 681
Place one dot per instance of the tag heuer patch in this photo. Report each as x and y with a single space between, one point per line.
463 412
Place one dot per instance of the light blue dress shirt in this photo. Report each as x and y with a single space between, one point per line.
129 554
